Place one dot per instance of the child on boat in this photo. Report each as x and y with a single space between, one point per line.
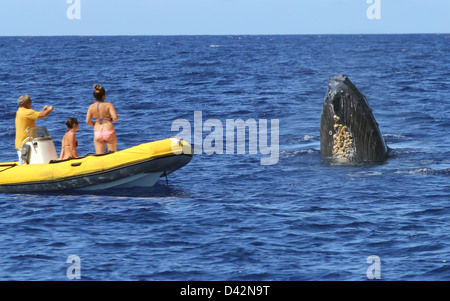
69 142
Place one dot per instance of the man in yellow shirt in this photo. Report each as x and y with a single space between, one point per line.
25 119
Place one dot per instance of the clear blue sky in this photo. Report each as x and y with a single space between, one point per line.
196 17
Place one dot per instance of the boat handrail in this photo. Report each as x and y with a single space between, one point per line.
45 135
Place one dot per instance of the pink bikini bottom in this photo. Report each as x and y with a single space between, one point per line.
104 135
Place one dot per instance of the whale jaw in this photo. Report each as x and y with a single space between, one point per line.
349 132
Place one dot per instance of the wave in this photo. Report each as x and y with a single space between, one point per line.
425 171
396 136
300 153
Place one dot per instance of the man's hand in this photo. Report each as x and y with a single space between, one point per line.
45 112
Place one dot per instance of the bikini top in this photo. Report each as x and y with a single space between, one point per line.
100 120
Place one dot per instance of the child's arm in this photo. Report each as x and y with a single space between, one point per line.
62 150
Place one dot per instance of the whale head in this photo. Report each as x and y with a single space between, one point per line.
349 132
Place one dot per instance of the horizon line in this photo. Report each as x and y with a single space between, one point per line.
235 34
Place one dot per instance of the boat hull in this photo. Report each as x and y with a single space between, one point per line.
144 172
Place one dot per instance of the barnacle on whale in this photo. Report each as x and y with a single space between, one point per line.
342 140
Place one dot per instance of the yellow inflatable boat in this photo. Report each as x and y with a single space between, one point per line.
138 166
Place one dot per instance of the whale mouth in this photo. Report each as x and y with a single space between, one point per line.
348 129
343 146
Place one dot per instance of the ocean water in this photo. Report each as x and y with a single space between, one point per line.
226 216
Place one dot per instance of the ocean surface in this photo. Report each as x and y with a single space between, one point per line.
227 216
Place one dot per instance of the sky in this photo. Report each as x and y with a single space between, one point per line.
222 17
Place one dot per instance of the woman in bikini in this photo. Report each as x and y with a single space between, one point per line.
69 142
104 115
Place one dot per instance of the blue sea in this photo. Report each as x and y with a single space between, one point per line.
228 217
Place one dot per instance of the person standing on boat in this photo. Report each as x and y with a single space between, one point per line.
104 115
25 119
69 142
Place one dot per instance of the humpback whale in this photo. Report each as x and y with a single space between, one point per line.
349 132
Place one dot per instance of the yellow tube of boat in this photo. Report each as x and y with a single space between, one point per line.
10 174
